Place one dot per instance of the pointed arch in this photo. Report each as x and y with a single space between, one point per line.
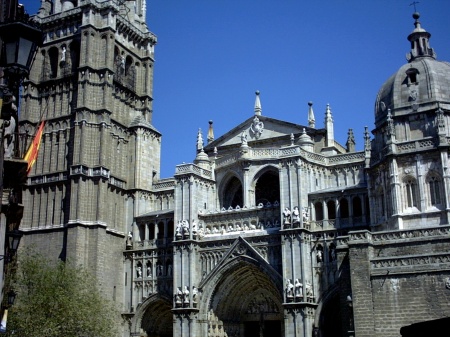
230 191
266 184
154 317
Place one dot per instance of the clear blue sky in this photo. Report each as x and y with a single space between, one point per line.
212 55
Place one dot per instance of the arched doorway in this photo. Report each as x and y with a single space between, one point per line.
157 321
246 303
330 324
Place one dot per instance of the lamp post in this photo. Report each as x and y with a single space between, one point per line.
19 39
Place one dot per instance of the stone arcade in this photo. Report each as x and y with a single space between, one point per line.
275 229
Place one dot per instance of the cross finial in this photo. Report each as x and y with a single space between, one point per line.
414 4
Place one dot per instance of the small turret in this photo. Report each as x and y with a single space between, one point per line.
311 118
420 44
199 140
258 109
210 132
329 127
350 141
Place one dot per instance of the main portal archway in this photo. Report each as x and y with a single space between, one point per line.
246 303
157 321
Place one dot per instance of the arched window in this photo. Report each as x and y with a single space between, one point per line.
267 188
318 208
343 207
53 56
357 207
160 230
410 188
434 190
232 194
142 232
151 229
331 206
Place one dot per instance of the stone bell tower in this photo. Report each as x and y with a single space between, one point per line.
91 83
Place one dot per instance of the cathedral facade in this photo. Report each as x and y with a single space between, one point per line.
274 229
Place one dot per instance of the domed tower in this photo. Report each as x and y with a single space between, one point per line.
408 181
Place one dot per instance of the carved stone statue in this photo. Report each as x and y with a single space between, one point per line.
305 214
63 54
298 288
319 256
308 289
287 215
185 227
194 294
244 139
295 215
139 271
130 239
186 294
289 289
178 297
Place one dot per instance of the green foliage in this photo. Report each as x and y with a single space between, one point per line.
58 299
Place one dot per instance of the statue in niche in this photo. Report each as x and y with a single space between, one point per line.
185 227
178 297
194 294
295 215
139 271
287 215
308 289
149 270
319 256
130 239
298 288
159 268
169 269
178 229
305 214
63 54
289 289
186 294
332 253
194 227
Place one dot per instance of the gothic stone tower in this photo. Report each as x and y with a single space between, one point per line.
92 84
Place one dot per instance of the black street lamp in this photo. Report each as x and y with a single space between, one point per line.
19 38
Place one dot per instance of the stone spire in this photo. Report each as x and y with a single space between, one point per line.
311 118
199 141
350 141
210 132
420 44
258 109
367 147
329 126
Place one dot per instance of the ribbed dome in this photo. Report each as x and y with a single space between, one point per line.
417 85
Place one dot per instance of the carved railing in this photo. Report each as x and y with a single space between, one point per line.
239 221
164 184
192 168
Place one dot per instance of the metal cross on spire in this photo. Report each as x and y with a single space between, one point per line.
414 4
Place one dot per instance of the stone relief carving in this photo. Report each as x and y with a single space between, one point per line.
447 283
257 127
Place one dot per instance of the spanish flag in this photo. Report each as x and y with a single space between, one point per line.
32 152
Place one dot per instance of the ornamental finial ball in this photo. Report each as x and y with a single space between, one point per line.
257 92
416 15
